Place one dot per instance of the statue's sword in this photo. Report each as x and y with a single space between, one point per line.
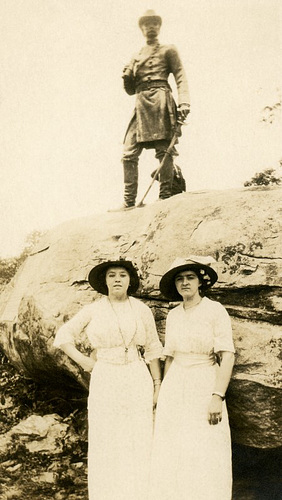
177 134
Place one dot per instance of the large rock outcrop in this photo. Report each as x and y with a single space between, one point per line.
241 229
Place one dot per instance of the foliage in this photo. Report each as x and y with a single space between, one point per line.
271 113
234 257
21 470
8 268
268 177
10 265
18 395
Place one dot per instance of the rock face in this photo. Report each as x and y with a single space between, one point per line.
241 229
38 434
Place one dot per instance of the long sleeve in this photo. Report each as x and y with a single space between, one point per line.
223 340
128 78
68 331
179 74
153 346
169 347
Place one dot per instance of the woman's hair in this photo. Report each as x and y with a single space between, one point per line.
203 283
97 275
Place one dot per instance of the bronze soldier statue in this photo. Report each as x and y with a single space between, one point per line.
155 116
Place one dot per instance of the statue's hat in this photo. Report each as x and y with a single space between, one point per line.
149 14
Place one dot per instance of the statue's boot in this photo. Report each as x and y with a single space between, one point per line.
166 178
130 173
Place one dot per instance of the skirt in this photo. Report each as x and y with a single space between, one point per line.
120 415
191 459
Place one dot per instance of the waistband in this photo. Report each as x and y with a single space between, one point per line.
191 359
151 84
117 355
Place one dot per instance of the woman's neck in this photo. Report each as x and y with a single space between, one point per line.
191 302
117 298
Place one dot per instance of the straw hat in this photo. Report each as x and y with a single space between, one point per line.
199 264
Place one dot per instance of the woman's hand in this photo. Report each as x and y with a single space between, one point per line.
156 395
215 410
155 370
224 371
87 364
82 360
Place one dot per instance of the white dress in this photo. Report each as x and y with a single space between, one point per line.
120 399
191 459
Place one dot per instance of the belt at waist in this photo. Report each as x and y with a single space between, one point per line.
191 359
151 85
117 355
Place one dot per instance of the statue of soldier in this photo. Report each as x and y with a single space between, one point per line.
155 116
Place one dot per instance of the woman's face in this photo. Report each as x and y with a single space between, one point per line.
187 284
117 281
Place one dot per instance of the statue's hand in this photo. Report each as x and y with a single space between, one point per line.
183 111
128 81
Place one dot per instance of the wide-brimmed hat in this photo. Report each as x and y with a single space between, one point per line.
97 275
199 264
149 14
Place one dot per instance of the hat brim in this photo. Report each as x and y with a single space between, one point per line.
167 283
97 276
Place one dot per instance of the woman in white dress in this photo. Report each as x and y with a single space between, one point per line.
191 457
123 390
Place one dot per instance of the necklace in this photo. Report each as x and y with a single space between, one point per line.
126 345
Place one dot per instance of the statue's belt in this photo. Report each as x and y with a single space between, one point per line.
151 85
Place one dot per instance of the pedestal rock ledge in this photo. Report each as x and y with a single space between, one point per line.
240 228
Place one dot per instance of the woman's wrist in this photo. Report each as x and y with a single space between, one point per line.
157 381
219 394
82 357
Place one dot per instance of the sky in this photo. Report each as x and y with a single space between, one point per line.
64 112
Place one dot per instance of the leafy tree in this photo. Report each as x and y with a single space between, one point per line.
268 177
271 113
30 242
